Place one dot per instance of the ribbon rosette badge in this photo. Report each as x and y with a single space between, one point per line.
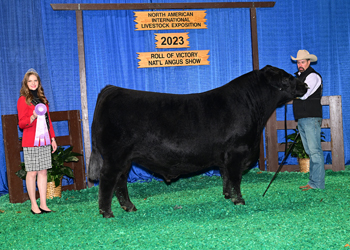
41 133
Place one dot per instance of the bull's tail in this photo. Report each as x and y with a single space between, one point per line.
96 161
95 164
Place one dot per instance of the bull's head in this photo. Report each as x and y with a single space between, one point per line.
287 84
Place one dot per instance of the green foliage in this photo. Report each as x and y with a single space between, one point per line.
298 150
58 170
22 173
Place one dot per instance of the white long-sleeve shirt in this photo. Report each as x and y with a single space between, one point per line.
314 81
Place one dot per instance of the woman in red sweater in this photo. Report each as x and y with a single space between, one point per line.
36 150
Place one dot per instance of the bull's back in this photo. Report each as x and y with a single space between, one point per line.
177 117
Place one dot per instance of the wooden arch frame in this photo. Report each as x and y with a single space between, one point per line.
78 8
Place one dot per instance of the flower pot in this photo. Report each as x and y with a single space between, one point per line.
53 191
304 164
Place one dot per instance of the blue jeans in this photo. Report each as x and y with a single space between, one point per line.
310 132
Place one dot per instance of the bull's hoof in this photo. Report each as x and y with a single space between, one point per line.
129 209
238 201
106 214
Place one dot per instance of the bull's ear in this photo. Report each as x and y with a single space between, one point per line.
271 73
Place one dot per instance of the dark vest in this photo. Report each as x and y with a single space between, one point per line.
311 107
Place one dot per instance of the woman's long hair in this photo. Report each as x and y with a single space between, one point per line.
25 91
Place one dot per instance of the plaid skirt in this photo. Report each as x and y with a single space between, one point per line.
37 158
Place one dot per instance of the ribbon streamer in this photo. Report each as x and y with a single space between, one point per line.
41 132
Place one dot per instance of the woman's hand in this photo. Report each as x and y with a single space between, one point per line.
33 117
53 144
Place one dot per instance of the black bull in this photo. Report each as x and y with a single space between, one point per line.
174 135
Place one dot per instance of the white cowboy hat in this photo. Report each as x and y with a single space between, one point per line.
304 54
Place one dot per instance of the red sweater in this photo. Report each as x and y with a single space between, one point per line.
25 111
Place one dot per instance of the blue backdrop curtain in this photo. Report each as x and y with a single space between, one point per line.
33 35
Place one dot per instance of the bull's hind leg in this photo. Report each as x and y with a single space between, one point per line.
226 184
121 191
232 185
108 180
237 198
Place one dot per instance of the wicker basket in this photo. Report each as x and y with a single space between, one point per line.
53 191
304 165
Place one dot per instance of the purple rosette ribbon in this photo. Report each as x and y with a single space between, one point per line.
41 132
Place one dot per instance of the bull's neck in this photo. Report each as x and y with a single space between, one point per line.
263 102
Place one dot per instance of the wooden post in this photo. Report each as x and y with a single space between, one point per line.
255 50
83 93
13 147
337 141
254 32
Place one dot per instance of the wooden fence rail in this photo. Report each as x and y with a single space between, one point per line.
336 145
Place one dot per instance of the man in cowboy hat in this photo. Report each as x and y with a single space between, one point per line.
308 112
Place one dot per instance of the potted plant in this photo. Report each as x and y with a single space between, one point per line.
55 174
298 150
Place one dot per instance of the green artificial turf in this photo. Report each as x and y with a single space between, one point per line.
191 214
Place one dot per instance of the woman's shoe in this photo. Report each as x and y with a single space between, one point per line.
36 213
45 211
